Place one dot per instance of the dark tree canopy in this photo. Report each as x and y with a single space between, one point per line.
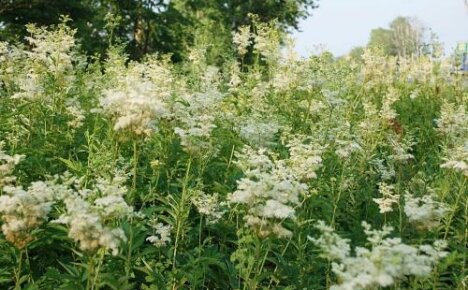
147 26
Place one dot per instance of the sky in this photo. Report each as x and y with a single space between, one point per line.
340 25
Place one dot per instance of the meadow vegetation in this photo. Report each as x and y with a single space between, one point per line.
276 173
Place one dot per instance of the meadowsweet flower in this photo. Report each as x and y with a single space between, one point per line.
162 235
24 210
90 213
51 53
370 125
196 115
7 165
344 148
424 211
267 41
387 260
87 228
242 39
305 159
387 112
52 48
76 113
402 148
453 120
385 170
388 197
457 159
209 206
234 77
258 132
332 246
269 191
136 102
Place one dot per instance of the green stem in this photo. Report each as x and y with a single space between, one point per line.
18 272
31 278
101 259
452 214
90 272
135 164
128 262
180 218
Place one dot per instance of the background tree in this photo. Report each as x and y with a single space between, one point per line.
406 36
148 26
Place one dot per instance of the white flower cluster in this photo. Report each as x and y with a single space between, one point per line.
267 41
387 260
162 235
269 191
453 123
401 148
242 39
87 228
52 48
258 132
332 246
24 210
388 197
209 206
424 211
344 148
51 53
137 101
458 159
304 159
76 113
196 114
386 171
387 112
7 165
90 212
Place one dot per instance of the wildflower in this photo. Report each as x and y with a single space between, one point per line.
333 246
401 148
266 41
346 147
453 121
52 53
242 39
7 165
387 112
305 159
386 171
90 213
258 132
24 210
423 211
87 228
136 102
388 197
457 159
196 115
269 192
76 113
162 234
387 260
209 206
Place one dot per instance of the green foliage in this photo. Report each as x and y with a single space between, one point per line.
149 26
154 175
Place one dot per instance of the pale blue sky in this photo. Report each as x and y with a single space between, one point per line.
340 25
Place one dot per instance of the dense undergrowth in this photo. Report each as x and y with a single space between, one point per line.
286 173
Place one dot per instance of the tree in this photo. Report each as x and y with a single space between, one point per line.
148 26
406 36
